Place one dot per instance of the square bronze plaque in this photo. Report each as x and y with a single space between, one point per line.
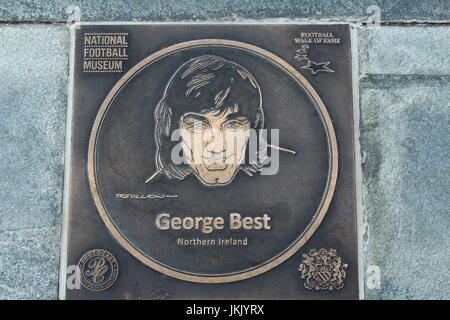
211 161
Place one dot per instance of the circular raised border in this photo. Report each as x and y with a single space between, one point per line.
105 284
273 262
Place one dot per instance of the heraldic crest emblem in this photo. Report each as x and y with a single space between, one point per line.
323 269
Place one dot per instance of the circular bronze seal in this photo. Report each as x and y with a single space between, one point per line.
197 217
98 270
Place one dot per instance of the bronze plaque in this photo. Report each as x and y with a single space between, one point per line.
211 161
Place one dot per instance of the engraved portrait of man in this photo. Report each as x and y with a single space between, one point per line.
214 103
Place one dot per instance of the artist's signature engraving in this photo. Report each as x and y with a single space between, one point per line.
98 270
323 270
137 196
160 294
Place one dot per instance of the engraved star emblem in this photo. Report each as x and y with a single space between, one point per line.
315 68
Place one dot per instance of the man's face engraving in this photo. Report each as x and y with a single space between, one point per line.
213 105
214 144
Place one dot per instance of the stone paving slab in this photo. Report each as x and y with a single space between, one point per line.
29 263
33 82
176 10
405 138
405 50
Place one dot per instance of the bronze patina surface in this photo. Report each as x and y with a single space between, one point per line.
212 161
